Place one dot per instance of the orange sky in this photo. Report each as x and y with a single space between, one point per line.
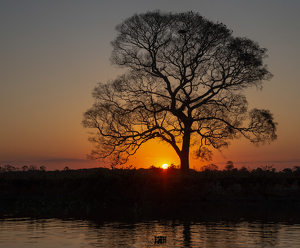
53 53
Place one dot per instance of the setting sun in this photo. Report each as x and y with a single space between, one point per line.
165 166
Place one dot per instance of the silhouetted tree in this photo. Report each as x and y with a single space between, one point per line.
32 167
9 168
25 168
296 168
184 85
209 167
229 166
42 168
244 169
287 171
267 167
173 166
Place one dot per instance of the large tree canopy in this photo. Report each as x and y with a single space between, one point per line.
184 85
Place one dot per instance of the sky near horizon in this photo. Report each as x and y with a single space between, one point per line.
53 53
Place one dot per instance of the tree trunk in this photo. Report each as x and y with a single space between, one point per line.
185 152
184 161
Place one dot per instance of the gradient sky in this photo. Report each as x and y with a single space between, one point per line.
53 53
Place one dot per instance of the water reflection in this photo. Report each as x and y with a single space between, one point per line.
187 233
77 233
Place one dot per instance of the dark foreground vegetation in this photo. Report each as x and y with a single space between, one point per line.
145 193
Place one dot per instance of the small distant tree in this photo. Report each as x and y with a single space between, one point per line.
184 86
42 168
25 168
244 169
173 166
9 168
287 171
32 167
267 167
66 168
209 167
296 168
229 166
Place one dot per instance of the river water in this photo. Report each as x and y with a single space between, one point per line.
42 233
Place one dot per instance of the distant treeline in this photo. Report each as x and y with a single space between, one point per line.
210 167
9 168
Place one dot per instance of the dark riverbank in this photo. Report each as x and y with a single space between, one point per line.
153 193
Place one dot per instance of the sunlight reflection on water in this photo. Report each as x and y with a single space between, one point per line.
76 233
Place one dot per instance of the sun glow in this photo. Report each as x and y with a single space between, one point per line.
165 166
